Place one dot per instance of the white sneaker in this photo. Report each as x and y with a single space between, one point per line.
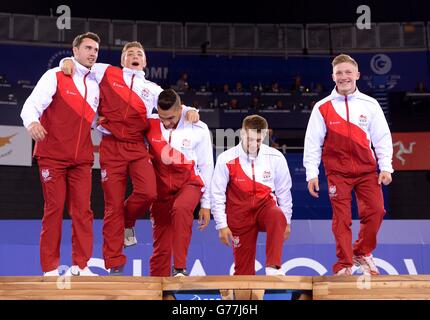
129 237
366 264
52 273
270 271
85 272
344 272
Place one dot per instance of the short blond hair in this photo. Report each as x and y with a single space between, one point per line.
132 44
344 58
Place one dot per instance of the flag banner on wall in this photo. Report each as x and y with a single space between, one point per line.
411 150
15 146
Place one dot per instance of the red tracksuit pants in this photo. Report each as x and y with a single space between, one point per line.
117 160
268 218
172 220
370 211
63 181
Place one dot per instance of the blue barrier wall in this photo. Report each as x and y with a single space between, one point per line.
403 248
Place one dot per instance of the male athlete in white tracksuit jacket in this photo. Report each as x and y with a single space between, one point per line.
341 130
251 193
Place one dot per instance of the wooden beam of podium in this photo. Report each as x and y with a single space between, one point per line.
81 288
393 287
238 282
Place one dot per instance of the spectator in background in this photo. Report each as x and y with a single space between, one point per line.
226 88
421 88
319 88
255 103
182 83
297 87
275 88
273 139
279 105
238 87
233 104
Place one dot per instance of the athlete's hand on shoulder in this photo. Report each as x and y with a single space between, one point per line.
68 67
192 116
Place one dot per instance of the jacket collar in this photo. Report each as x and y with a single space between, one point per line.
336 95
137 73
81 70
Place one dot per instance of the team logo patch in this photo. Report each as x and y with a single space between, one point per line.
266 174
145 93
186 143
236 242
362 121
45 175
332 191
103 174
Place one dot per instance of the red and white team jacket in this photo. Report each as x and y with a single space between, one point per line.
126 111
343 129
65 107
241 183
183 155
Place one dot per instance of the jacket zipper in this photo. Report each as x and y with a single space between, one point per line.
253 180
128 104
349 135
82 116
171 150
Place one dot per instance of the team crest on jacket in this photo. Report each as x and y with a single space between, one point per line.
236 242
45 175
186 143
145 93
362 121
332 191
266 174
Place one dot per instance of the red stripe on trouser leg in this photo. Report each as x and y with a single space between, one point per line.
340 198
271 219
144 193
78 204
114 185
172 229
244 250
54 194
371 212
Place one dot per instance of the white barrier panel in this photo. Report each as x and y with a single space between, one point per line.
15 146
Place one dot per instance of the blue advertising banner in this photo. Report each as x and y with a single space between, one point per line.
403 248
399 71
